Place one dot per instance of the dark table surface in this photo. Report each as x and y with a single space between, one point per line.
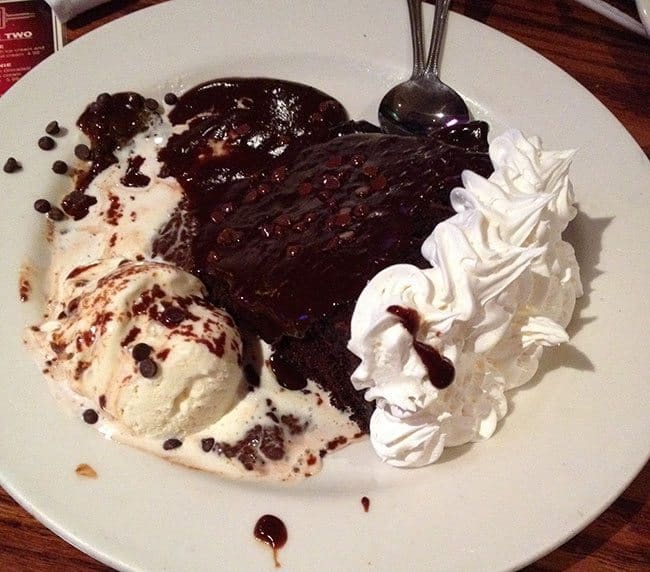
614 65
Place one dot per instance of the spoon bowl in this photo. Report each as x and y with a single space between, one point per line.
420 106
423 103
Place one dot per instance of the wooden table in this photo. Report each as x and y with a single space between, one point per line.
611 63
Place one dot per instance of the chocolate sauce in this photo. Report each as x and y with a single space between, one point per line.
239 127
109 122
133 177
365 502
272 531
289 256
440 370
76 204
259 444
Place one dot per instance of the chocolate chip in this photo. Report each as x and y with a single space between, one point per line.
136 100
55 214
60 167
42 206
171 98
217 216
370 171
330 181
207 444
151 104
334 161
11 165
52 128
279 174
357 160
141 351
90 416
46 143
104 99
304 189
172 444
378 183
82 152
148 367
172 316
293 249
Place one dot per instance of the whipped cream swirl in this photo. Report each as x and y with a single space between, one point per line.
502 286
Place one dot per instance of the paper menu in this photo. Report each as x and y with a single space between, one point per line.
29 32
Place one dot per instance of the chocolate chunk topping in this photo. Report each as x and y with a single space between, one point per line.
42 206
171 99
172 316
141 351
46 143
60 167
207 444
151 104
52 128
11 165
55 214
172 444
90 416
82 152
148 367
103 99
365 502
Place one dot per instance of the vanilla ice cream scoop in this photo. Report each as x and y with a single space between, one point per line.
140 340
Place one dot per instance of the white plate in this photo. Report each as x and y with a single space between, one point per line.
643 7
575 437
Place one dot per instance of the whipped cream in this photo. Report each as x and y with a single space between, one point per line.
501 287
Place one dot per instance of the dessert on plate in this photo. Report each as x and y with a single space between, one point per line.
246 280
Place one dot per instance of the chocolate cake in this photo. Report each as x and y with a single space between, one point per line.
290 209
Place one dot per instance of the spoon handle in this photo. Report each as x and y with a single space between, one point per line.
415 18
439 25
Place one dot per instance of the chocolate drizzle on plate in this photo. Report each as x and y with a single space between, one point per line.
272 531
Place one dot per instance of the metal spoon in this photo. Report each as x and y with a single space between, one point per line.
423 103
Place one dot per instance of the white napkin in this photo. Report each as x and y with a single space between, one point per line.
66 9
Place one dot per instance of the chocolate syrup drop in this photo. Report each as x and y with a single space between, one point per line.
439 368
365 502
272 531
